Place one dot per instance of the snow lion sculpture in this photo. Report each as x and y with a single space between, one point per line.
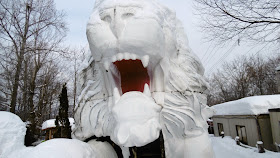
142 80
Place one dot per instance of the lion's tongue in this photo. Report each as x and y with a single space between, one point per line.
133 75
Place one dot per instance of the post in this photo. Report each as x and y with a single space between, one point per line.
223 134
277 147
237 140
260 147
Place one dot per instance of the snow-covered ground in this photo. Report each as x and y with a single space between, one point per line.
227 148
12 131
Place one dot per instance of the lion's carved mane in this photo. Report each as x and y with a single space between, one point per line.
184 111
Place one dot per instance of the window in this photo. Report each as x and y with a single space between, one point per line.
220 128
241 133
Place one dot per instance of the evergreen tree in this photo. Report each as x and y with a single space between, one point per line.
63 129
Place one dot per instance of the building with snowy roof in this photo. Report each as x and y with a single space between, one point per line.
252 119
49 127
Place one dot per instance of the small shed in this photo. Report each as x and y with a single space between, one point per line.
247 118
49 127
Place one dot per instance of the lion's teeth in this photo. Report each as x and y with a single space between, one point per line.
106 65
116 94
130 56
147 91
133 56
126 56
145 60
119 56
114 58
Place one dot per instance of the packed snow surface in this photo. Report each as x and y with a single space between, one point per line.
227 148
51 123
249 106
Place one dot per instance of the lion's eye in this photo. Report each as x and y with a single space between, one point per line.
107 18
127 15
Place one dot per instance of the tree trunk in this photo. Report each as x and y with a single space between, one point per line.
19 61
16 83
75 86
25 87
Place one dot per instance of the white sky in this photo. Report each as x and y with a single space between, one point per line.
78 12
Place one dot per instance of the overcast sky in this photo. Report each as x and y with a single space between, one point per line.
78 12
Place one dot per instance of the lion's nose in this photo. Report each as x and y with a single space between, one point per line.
119 21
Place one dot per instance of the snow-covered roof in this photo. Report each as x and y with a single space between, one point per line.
51 123
249 106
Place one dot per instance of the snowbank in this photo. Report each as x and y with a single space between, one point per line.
57 148
51 123
248 106
12 132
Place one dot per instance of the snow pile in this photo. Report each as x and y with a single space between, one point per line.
248 106
227 148
12 132
57 148
51 123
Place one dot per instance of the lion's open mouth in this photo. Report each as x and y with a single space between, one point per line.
135 112
130 72
133 75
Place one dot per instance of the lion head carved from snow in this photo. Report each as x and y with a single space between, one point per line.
142 78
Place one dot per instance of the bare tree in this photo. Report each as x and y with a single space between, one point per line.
78 57
22 24
249 20
243 77
71 66
31 32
